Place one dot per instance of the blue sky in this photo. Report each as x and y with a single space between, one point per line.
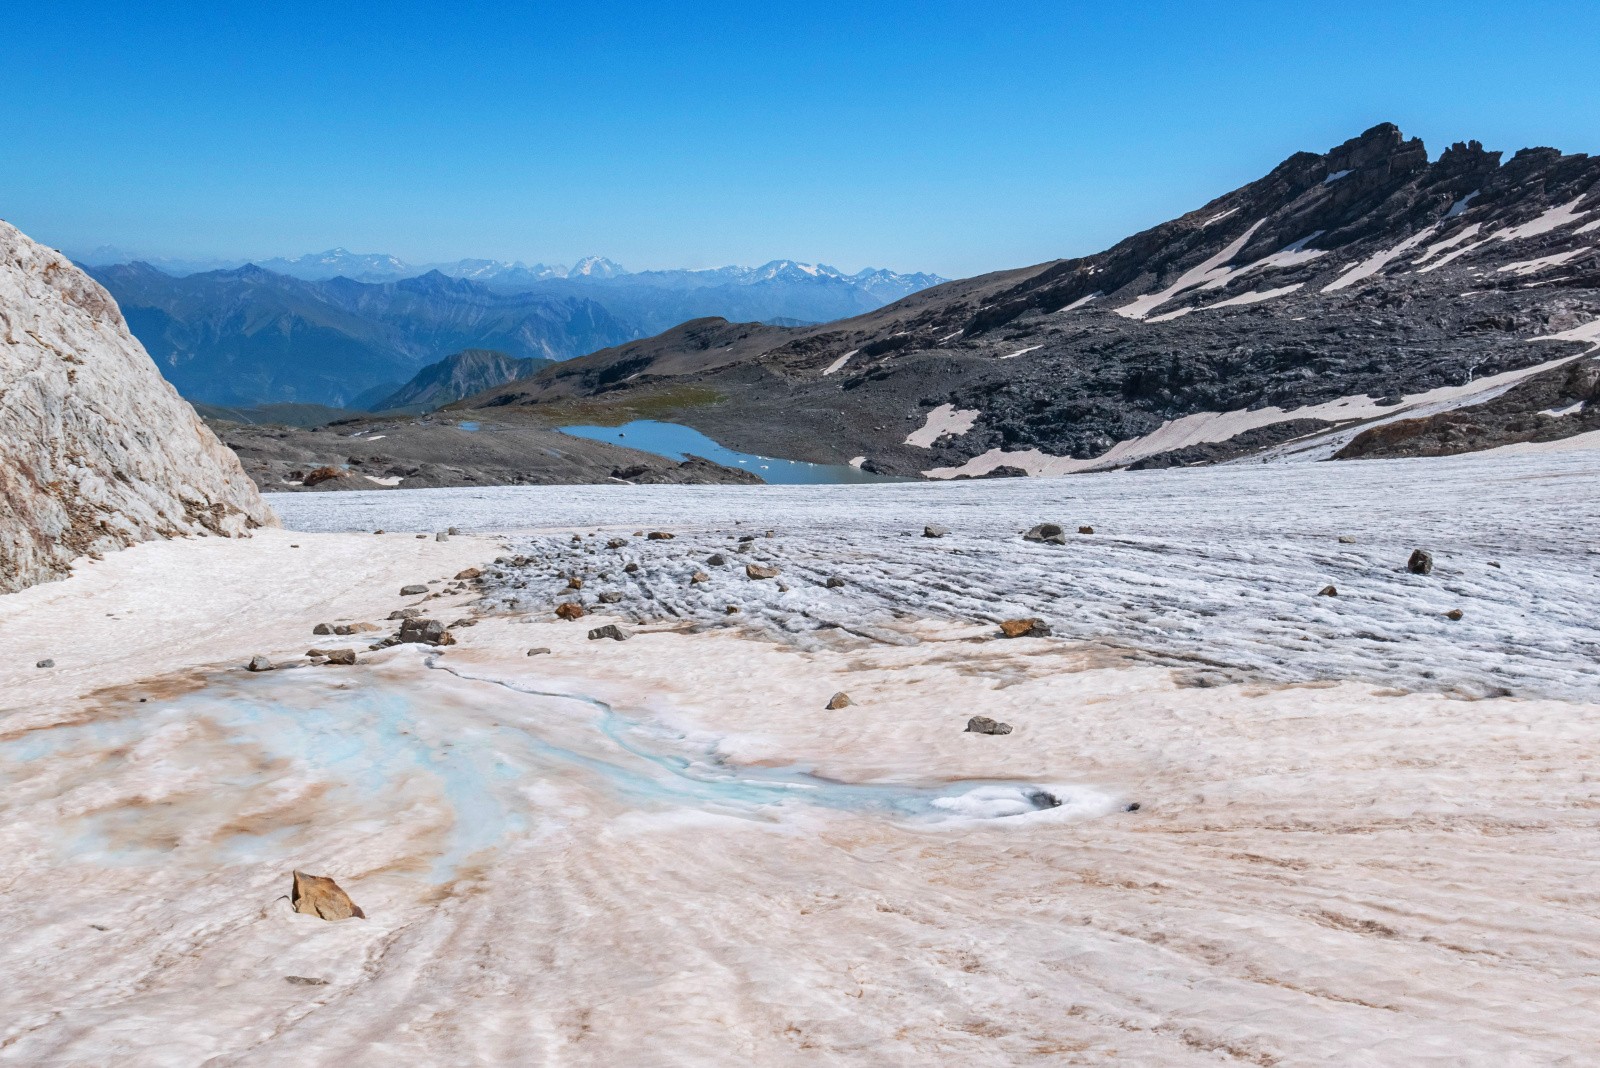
936 136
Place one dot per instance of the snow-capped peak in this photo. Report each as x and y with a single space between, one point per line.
596 267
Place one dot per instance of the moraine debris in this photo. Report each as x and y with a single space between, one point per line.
760 571
1024 628
1421 562
610 630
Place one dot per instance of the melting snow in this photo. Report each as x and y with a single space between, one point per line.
1377 262
1204 427
1255 297
392 480
1218 217
1553 219
1461 205
1449 243
840 362
1334 177
1526 267
1081 301
944 421
1021 352
1586 332
1197 275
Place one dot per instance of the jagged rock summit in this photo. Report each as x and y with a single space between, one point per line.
97 451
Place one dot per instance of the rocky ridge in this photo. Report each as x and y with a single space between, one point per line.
97 450
1343 290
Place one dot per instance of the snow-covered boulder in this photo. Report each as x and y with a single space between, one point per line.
97 450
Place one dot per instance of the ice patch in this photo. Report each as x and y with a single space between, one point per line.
857 461
1218 217
1449 243
1205 427
1198 275
943 421
1461 205
391 480
1334 177
1558 413
1586 332
1377 262
840 362
1526 267
1081 301
1021 352
1553 219
1255 297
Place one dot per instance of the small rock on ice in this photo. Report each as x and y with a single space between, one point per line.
985 725
318 895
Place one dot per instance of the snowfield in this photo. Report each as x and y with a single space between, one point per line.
1219 569
1234 822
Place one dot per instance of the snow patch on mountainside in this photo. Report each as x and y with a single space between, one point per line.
1206 271
1377 262
944 421
840 362
1208 427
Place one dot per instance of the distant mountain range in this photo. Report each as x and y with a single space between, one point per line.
346 329
249 336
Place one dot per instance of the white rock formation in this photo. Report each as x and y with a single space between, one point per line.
97 450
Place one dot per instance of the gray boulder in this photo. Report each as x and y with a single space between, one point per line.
413 590
425 632
610 630
1047 532
985 725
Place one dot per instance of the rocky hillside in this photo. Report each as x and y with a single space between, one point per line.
458 375
97 451
247 337
1342 291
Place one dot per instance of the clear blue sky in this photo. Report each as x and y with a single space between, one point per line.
919 136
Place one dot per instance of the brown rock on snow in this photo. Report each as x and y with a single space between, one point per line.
320 896
569 610
1420 563
468 573
760 571
1328 591
1024 628
838 701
